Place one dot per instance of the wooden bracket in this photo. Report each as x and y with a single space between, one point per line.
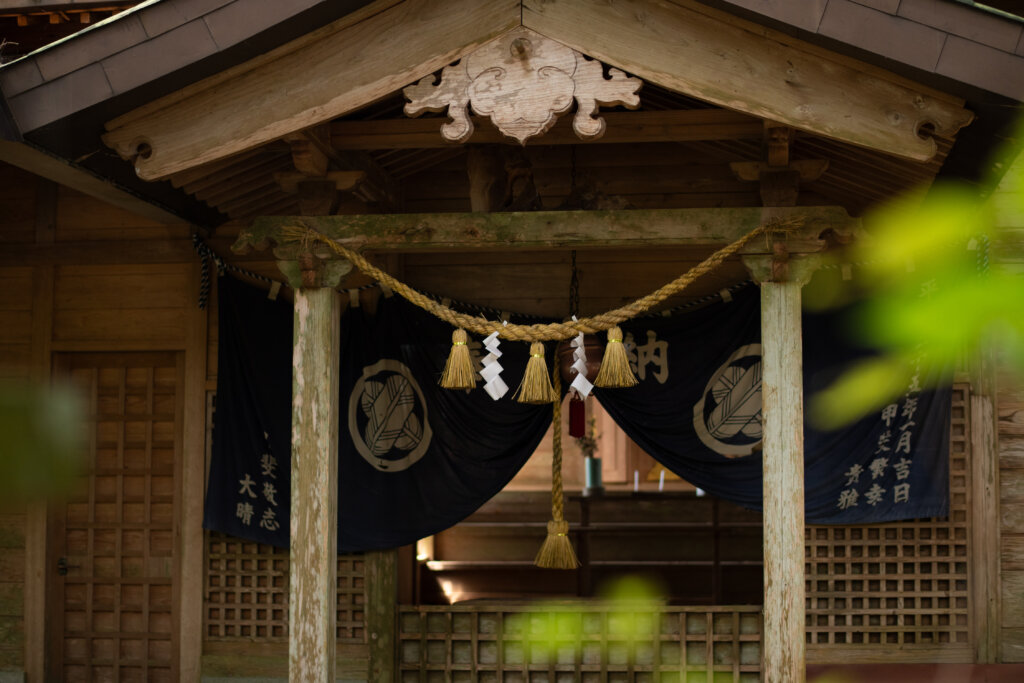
777 139
523 81
304 268
307 151
808 169
344 181
781 265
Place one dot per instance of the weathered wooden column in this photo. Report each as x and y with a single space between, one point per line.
781 278
312 606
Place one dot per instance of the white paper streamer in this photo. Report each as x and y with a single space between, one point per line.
580 383
494 385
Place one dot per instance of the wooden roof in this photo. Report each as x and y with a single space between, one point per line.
112 69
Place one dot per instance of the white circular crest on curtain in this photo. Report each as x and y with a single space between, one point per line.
728 416
387 417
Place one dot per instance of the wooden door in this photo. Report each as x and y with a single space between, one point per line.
113 543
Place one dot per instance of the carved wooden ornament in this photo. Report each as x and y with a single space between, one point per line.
523 81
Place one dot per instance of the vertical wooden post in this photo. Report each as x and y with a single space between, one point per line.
381 593
193 478
783 477
984 520
312 612
312 608
38 639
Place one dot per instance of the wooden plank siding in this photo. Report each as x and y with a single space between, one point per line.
12 587
15 362
1008 253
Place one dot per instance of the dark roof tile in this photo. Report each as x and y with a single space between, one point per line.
887 6
238 21
964 21
91 46
805 14
886 35
159 56
52 100
20 76
164 16
982 66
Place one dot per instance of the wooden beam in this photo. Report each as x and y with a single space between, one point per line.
61 172
783 652
548 229
622 127
93 252
331 72
690 48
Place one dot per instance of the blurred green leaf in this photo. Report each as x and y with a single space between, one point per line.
933 291
40 441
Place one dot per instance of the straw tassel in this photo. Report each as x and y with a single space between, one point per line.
557 551
458 371
536 386
615 372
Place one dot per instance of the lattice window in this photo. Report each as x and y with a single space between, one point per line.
351 599
246 592
588 643
903 583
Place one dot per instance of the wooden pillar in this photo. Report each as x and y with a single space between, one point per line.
312 609
781 280
193 479
984 499
381 616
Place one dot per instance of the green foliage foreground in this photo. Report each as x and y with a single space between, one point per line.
933 292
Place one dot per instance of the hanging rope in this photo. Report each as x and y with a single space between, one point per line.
556 551
541 331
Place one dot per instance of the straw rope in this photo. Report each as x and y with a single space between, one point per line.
557 495
556 552
540 331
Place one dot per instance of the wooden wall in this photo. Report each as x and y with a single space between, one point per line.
12 589
1008 252
79 275
17 197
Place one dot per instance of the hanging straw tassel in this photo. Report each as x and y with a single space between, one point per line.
536 386
615 372
458 371
557 552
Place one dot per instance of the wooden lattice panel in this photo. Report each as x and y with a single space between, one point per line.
246 592
900 584
569 644
118 530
